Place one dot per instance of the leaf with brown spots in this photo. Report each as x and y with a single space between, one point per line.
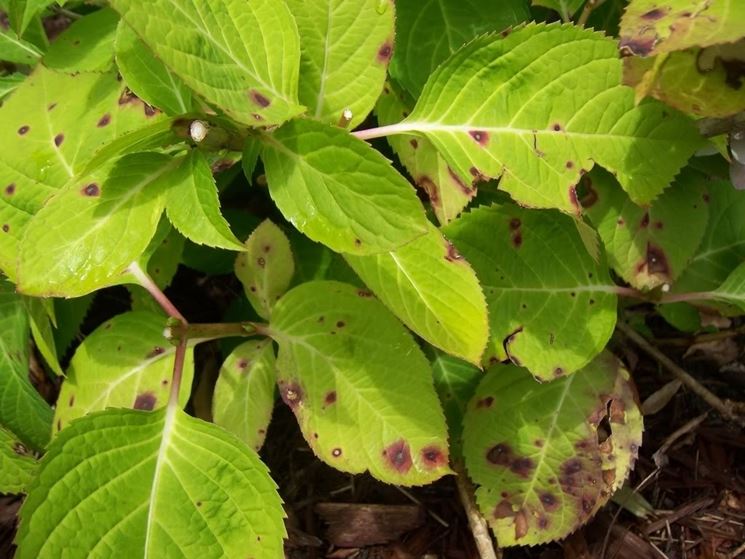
266 267
437 296
535 493
391 425
552 307
126 362
651 27
244 393
17 465
649 246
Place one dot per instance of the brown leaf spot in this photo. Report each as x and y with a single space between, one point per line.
242 364
479 136
549 501
336 452
573 200
51 106
364 293
485 402
589 195
259 99
521 524
23 130
91 189
330 398
385 52
655 14
543 523
104 120
58 139
261 262
500 455
503 510
149 110
414 143
644 223
20 449
157 350
145 401
459 182
569 164
10 189
433 457
291 394
558 372
340 324
6 227
398 456
556 127
609 477
71 401
522 467
617 412
539 443
658 225
588 504
452 254
656 261
430 188
638 47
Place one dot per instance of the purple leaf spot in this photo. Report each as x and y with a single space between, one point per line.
145 401
398 456
259 99
91 189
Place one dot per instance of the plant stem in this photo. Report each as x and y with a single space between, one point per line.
178 373
382 131
478 525
144 280
629 292
204 332
725 409
702 338
680 297
588 9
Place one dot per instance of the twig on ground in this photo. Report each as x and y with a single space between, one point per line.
478 525
659 456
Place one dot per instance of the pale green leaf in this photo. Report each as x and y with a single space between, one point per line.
433 290
648 246
696 81
147 76
87 45
125 363
193 206
732 290
566 8
346 49
448 192
244 393
243 57
22 409
17 466
43 331
428 32
652 27
86 235
541 106
338 190
359 385
50 128
723 246
266 268
552 308
150 484
14 49
539 454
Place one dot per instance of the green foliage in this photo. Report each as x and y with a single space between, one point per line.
152 136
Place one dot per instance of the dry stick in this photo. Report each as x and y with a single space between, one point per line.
478 525
702 338
589 7
704 393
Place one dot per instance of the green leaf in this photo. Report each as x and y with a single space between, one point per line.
14 49
502 107
193 206
433 290
147 76
683 316
87 45
42 330
266 268
723 246
695 81
346 47
455 382
87 234
241 57
338 347
125 363
50 128
159 484
244 393
648 246
22 12
22 409
17 466
427 33
652 27
9 83
566 8
542 460
338 190
448 192
70 314
732 290
552 308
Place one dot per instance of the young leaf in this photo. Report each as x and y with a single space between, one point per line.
22 409
501 107
61 120
241 57
552 308
266 268
433 290
650 246
150 485
87 234
147 76
346 47
448 192
338 190
87 45
338 347
427 33
125 363
723 246
244 393
42 330
14 49
538 453
652 27
566 8
17 466
193 206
